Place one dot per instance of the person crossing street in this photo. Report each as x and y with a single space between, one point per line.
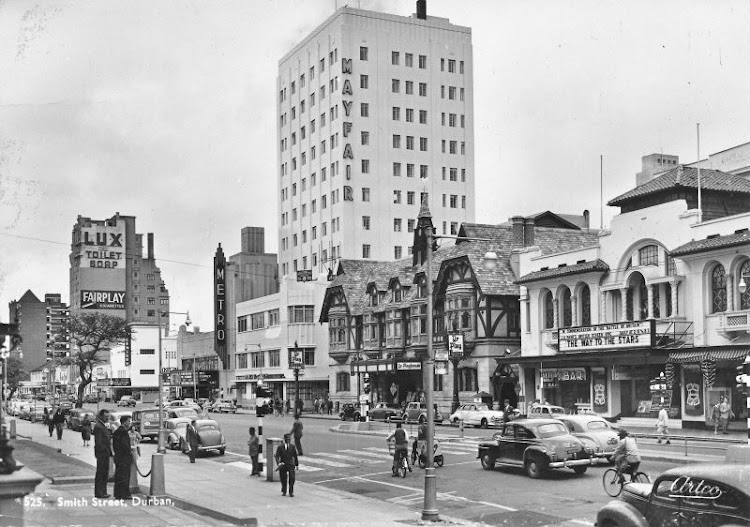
287 461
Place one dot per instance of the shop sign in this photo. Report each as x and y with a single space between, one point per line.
257 376
102 299
115 381
408 366
629 373
186 377
456 344
620 335
564 374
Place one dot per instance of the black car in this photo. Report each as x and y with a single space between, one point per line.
350 411
537 445
385 412
701 495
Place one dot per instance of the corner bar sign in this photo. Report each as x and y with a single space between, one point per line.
618 335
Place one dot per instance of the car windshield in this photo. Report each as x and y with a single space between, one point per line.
551 430
184 412
481 408
207 427
597 425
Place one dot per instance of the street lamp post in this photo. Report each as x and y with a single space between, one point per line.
297 362
456 353
424 221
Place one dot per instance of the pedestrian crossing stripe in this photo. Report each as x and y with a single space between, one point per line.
368 454
347 458
327 462
249 467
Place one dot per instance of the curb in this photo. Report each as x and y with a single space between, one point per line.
185 505
71 480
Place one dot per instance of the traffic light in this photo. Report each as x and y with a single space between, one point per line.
743 376
367 387
262 395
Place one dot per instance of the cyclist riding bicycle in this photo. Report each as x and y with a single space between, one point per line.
419 442
626 455
402 446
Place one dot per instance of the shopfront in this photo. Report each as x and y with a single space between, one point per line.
391 381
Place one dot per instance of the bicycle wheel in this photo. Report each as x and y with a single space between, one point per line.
641 477
402 468
611 482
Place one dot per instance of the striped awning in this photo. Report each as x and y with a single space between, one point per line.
717 354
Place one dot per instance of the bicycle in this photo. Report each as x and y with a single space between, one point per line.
613 484
403 464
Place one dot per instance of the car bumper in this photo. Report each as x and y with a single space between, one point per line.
569 463
203 448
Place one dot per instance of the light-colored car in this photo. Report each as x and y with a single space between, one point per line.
182 412
210 436
76 416
224 406
595 429
176 429
417 412
477 414
547 411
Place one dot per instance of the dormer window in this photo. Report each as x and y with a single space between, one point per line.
422 288
396 293
374 298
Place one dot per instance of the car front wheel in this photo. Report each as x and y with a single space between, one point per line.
483 424
422 419
535 466
221 451
580 470
488 461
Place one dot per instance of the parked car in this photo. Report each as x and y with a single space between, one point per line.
705 495
210 436
546 411
126 400
385 412
24 410
203 402
90 398
537 445
595 429
36 412
477 414
176 429
74 419
224 406
417 412
350 411
146 422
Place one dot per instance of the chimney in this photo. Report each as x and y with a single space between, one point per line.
586 219
150 245
422 9
517 231
528 231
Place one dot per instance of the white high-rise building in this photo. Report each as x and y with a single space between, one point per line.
373 111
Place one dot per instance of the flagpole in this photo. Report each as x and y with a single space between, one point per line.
700 203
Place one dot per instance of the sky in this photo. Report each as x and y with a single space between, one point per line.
164 110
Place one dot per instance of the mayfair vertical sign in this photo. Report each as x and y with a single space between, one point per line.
220 306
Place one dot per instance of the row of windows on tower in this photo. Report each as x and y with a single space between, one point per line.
335 253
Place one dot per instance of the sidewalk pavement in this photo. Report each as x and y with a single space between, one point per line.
222 493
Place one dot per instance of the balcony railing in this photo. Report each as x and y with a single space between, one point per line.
549 337
732 321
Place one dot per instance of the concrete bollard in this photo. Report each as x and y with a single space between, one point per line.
271 444
158 485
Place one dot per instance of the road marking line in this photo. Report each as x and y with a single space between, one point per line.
368 454
378 449
348 458
327 462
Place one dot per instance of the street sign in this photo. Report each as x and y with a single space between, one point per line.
304 276
296 359
456 344
441 355
441 368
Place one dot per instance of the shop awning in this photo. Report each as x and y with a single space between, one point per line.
718 354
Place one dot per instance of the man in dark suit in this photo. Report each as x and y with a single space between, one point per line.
102 451
123 459
286 459
193 440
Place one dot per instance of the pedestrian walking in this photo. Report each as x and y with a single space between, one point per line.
287 461
252 451
193 440
662 424
725 414
45 416
288 407
123 459
103 452
715 415
507 411
51 422
315 405
297 433
58 421
86 430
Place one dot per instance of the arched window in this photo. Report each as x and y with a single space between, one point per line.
745 273
567 312
648 255
718 290
585 296
549 311
643 304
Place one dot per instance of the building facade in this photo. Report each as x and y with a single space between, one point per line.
110 274
649 314
42 328
374 110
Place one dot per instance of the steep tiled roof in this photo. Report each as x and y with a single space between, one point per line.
553 241
498 281
686 177
28 296
715 242
586 267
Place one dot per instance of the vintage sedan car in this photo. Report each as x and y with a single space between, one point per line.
547 410
477 414
700 495
385 412
417 413
24 410
126 400
224 406
210 436
182 412
176 428
76 416
350 411
537 445
595 430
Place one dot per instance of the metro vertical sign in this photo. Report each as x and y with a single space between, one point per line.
220 306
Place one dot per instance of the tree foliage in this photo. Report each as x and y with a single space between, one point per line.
92 334
16 374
